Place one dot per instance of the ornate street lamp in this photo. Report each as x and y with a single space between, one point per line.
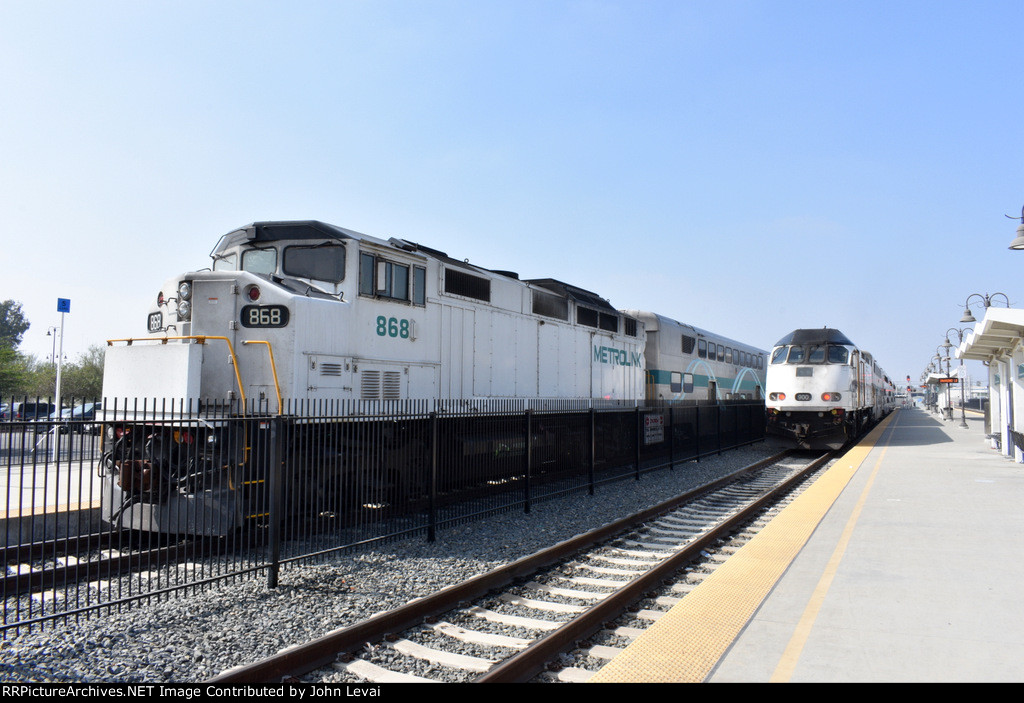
1018 242
987 299
963 396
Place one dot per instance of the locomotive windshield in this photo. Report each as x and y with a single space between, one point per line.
811 354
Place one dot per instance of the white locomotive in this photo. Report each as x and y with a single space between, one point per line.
302 314
305 310
823 390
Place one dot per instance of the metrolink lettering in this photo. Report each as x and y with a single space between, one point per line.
616 357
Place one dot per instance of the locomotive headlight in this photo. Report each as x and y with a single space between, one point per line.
252 293
184 310
184 290
831 397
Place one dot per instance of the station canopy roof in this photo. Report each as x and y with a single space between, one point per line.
998 334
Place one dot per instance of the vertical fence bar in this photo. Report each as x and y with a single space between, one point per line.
592 437
432 500
529 460
275 486
671 439
718 426
639 434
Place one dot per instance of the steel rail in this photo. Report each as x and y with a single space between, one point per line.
324 650
524 665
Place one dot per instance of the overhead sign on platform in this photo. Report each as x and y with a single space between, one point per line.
949 379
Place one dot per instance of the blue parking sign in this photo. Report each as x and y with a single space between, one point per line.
63 304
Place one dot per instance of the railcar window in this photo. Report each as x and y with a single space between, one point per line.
459 283
320 263
260 261
712 351
550 305
728 355
688 343
796 355
721 353
702 349
837 355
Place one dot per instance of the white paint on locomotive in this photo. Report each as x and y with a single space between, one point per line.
306 310
823 389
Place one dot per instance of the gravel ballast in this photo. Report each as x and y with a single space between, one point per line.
191 638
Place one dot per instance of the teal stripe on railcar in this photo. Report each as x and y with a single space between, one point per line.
661 377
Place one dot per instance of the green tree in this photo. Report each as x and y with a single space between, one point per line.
84 378
15 373
12 324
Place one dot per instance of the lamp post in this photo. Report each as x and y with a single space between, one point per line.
948 411
987 299
963 395
1018 242
52 332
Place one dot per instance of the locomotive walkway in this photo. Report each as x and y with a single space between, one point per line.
903 563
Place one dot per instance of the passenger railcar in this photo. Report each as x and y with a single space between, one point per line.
823 390
308 312
687 363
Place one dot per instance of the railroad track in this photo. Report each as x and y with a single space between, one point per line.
522 619
44 580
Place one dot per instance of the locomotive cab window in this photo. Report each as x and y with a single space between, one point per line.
382 278
837 355
260 261
227 262
321 263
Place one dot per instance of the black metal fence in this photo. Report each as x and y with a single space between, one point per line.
147 499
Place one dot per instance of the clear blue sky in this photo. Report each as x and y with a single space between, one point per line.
748 167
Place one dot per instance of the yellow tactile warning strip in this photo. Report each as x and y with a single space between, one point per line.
686 643
48 510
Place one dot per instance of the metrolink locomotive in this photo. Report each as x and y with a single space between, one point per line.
306 312
823 390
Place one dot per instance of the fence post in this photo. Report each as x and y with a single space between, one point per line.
696 429
275 486
671 441
718 426
432 508
529 459
639 433
593 448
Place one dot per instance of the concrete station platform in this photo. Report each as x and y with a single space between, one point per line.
904 562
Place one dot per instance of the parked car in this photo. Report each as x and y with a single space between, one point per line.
28 412
78 418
